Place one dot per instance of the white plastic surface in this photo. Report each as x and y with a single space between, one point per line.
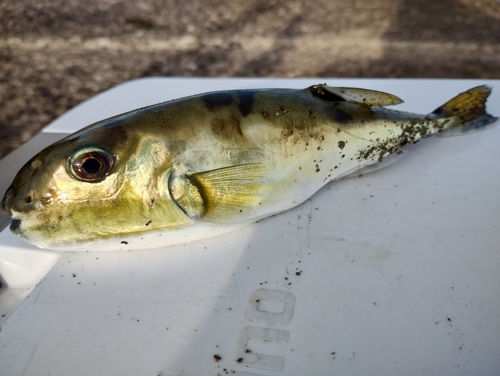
394 273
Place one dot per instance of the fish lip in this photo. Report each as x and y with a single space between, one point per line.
15 226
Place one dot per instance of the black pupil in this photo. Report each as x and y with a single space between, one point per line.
91 166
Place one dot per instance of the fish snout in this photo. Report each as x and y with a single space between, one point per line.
6 202
20 195
13 208
18 201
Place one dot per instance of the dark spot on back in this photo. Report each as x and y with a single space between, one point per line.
226 127
111 136
216 100
245 102
339 116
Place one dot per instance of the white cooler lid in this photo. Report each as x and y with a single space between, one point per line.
393 273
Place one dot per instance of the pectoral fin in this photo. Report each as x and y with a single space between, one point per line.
355 95
229 191
186 196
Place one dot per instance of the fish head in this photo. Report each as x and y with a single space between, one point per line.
102 182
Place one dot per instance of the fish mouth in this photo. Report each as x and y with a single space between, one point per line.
15 226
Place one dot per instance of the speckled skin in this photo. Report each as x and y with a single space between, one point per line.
235 157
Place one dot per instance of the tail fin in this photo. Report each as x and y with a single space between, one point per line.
470 109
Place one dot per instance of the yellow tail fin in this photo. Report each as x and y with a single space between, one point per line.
470 108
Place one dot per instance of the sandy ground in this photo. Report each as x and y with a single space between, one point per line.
56 53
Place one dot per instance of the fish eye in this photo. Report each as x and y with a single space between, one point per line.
91 164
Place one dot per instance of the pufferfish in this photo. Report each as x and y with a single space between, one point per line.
197 167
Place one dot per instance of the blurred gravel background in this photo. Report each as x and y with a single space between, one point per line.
56 53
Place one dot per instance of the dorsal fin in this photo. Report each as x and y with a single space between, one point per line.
355 95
